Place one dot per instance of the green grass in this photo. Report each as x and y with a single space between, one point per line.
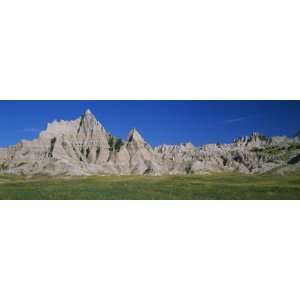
224 186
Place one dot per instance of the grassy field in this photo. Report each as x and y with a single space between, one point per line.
225 186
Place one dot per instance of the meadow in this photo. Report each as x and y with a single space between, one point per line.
218 186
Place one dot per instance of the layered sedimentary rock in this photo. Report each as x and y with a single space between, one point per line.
84 147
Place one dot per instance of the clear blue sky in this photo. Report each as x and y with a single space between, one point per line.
159 122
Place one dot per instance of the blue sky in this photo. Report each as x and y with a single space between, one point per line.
159 122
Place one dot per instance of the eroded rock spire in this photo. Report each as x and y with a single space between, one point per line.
135 136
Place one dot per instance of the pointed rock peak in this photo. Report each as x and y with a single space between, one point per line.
89 124
259 136
88 114
134 136
255 139
88 118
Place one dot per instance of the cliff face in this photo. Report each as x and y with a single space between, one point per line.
84 147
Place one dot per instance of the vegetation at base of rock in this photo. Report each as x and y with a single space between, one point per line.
283 153
119 143
115 144
217 186
272 150
294 147
276 149
3 166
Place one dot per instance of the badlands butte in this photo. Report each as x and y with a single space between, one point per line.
84 147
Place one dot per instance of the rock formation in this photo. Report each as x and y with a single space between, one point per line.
84 147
